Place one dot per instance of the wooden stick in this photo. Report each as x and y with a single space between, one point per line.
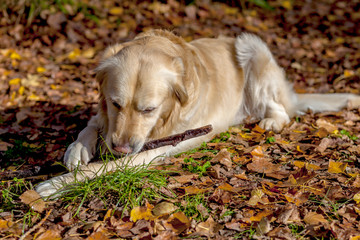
177 138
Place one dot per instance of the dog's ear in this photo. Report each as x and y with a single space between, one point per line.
112 50
178 86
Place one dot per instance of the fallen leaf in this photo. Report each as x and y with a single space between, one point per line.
194 190
208 228
52 234
330 128
96 236
314 218
357 198
116 10
258 217
142 212
177 222
336 167
164 208
33 199
256 196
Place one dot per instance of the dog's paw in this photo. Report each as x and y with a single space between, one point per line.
50 188
77 154
272 124
56 186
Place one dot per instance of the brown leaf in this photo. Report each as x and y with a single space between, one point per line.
194 190
322 123
208 228
177 222
97 236
262 165
314 218
33 199
164 208
52 234
185 178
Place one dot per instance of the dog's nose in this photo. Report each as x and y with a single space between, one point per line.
123 148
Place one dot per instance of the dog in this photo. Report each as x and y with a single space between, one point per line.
158 85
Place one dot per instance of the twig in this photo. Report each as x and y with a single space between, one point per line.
36 226
177 138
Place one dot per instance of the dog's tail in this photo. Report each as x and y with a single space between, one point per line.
326 102
265 79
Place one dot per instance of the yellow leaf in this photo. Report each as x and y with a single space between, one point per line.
40 69
4 225
231 11
257 152
33 97
88 53
298 149
348 73
261 215
357 198
138 213
308 166
108 214
14 81
21 90
13 95
74 54
15 55
336 167
339 40
355 237
287 4
256 196
116 10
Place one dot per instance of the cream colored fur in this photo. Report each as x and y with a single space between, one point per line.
158 85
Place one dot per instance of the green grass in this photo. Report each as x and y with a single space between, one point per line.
127 187
10 192
195 166
189 204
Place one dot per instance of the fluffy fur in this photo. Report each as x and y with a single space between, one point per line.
158 85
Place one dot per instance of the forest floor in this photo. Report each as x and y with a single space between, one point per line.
302 183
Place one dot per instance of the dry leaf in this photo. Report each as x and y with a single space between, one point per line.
33 199
138 213
164 208
194 190
256 196
314 218
322 123
177 222
208 228
336 167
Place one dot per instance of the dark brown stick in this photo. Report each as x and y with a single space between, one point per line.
177 138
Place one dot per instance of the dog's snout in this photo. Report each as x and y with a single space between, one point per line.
123 148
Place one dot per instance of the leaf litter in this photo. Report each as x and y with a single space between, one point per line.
246 183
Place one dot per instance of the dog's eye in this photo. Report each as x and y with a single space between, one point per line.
116 105
148 110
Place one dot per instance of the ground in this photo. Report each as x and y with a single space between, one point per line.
302 183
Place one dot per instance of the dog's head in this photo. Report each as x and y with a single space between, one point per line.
141 92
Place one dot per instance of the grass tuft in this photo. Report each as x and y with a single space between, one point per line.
129 186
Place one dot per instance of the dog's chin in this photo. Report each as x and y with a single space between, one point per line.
135 149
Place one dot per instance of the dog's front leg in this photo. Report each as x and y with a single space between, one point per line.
55 186
83 149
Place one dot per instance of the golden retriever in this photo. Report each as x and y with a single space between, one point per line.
158 85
